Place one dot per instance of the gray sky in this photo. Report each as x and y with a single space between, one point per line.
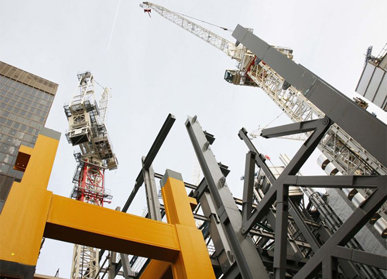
155 68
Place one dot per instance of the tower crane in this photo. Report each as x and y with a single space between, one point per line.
340 152
347 155
87 130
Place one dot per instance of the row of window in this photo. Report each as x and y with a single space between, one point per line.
38 115
7 84
11 98
6 169
22 117
26 139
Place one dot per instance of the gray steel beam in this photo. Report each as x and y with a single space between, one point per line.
342 181
126 266
289 129
218 235
321 126
152 197
112 264
327 268
350 117
150 157
248 185
247 258
361 257
353 224
310 238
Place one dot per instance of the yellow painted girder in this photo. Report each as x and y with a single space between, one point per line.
90 225
25 211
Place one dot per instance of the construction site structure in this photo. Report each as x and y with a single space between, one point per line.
341 152
347 155
87 130
373 80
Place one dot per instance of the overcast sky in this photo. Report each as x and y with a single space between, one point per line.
155 68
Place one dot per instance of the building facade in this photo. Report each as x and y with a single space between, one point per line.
25 101
373 81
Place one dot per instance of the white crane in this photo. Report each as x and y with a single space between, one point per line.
348 156
87 130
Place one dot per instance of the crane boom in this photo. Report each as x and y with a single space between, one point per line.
347 155
206 35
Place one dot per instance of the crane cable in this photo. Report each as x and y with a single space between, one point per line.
273 120
221 27
99 84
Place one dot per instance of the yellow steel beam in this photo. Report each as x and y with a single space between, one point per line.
24 214
90 225
31 212
157 270
193 260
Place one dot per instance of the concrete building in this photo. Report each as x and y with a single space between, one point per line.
25 101
373 81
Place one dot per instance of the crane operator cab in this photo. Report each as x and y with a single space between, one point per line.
235 77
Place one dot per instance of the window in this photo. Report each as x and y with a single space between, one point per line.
27 137
8 140
5 148
16 125
23 127
9 123
4 168
10 82
5 113
22 87
22 112
30 130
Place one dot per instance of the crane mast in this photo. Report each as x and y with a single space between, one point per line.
348 156
87 130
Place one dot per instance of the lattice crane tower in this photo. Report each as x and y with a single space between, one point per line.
87 130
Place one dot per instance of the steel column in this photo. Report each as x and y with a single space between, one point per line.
353 224
249 263
361 257
152 197
320 126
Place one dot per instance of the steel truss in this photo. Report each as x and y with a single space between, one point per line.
269 233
